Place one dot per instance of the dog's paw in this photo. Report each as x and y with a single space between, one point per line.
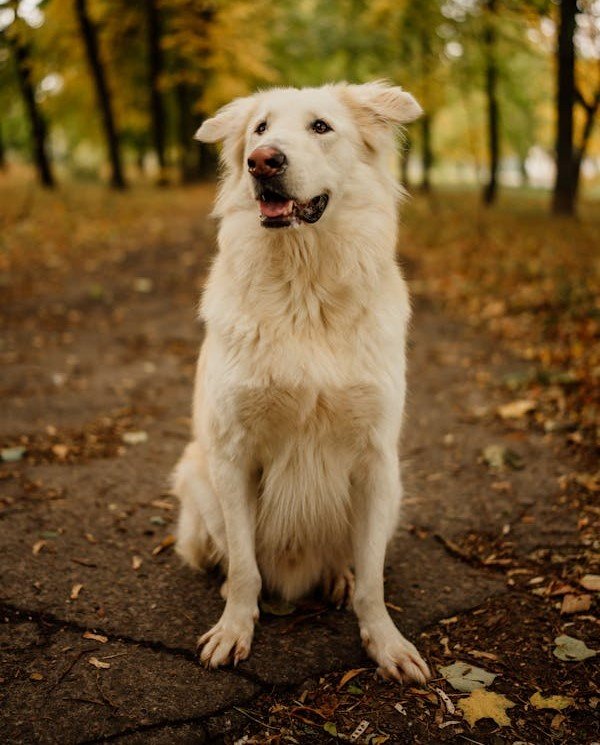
396 657
339 588
229 641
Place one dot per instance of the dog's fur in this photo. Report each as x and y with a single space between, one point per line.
292 476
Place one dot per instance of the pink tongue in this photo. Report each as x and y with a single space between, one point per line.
275 209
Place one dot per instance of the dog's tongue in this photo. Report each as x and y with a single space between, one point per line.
276 209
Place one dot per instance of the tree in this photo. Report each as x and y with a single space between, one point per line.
90 40
564 186
491 92
22 56
155 70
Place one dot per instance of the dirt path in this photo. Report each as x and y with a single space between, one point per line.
99 618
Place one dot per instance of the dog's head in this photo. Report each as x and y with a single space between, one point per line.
294 151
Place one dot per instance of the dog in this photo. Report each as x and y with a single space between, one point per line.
292 477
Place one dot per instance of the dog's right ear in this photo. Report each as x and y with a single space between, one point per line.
229 120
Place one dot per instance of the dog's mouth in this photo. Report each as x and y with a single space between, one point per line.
279 210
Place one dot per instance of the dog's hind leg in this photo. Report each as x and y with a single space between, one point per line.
200 529
338 587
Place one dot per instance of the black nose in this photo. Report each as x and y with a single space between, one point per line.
265 162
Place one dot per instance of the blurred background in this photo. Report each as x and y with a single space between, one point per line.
114 89
99 101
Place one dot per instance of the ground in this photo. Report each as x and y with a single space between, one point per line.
498 546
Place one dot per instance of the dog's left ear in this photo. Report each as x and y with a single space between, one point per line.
228 120
386 103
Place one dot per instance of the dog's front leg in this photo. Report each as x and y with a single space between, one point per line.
230 639
377 493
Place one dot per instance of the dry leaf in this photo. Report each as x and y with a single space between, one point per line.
558 703
483 655
482 704
575 604
89 537
557 720
61 451
98 663
516 409
36 676
95 637
75 590
590 582
347 677
360 730
572 650
446 699
134 438
464 677
37 547
136 562
162 504
400 709
166 542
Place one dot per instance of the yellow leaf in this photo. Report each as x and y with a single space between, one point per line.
516 409
482 704
552 702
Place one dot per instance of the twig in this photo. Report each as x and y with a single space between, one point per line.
254 719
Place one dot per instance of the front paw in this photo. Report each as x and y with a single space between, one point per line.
228 641
396 657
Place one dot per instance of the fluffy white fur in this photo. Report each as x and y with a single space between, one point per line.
292 476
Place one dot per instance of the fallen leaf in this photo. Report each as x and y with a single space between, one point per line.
557 720
483 655
61 451
95 637
330 728
399 708
450 708
575 604
498 456
464 677
89 537
360 730
162 504
346 677
37 547
590 582
143 284
558 703
166 542
481 704
516 409
12 455
75 590
571 650
136 562
98 663
134 438
36 676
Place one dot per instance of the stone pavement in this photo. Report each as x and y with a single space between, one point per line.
83 507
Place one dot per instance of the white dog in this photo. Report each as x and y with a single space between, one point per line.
293 475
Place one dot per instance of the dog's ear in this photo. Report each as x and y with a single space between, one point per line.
229 120
382 102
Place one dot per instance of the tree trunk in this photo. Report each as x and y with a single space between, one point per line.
590 117
39 129
564 186
404 161
2 152
426 153
155 66
185 134
491 90
90 40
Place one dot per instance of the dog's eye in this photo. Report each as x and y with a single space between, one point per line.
320 127
261 128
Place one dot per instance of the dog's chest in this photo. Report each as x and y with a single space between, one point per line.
270 417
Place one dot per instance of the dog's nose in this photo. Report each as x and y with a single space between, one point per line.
265 162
